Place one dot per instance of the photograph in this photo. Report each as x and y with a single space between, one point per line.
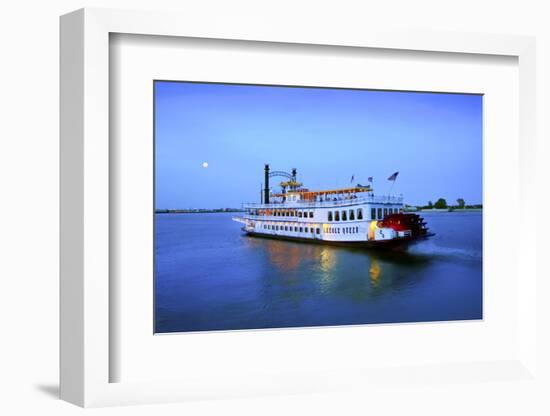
283 206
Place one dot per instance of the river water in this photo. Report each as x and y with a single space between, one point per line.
209 276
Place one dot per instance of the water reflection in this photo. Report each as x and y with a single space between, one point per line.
375 272
356 274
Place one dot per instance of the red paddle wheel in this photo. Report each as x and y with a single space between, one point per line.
403 222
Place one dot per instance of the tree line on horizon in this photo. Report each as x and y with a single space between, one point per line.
441 203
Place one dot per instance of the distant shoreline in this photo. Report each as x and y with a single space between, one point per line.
230 210
197 211
445 210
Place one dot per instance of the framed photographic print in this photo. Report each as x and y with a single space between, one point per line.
265 211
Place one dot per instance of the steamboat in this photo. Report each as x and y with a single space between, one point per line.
352 216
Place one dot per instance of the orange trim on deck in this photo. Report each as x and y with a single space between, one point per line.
309 195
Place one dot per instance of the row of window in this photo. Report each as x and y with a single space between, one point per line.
381 213
345 215
292 213
291 228
342 230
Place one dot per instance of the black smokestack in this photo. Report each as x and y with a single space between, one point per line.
266 183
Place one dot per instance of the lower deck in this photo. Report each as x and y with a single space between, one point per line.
394 243
348 232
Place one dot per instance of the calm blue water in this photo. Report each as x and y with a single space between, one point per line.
209 276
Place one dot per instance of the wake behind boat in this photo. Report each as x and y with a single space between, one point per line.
347 216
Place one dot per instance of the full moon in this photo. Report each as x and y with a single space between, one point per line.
204 164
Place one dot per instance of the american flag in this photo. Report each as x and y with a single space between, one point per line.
393 177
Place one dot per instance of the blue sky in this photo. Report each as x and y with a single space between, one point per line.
433 140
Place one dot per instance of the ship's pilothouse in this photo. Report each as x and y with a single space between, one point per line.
348 216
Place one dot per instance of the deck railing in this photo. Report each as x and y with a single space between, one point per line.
373 199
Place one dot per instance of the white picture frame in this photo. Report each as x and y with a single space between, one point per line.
85 204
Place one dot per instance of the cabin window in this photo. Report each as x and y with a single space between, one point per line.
312 230
385 212
344 216
310 214
351 215
330 215
295 229
299 214
360 214
336 215
373 213
301 229
379 213
356 229
317 231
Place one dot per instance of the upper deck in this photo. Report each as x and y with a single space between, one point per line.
333 202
